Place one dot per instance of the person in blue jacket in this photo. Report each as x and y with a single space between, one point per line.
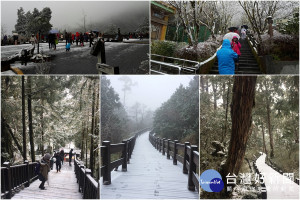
226 58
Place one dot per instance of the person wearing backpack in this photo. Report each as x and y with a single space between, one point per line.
42 168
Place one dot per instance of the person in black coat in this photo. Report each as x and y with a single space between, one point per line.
70 156
58 161
62 155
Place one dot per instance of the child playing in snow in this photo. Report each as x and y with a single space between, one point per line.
236 45
68 46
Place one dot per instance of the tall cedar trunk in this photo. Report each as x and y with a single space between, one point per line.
97 132
23 119
5 127
270 129
214 85
226 112
243 100
30 120
82 127
92 131
42 128
264 141
202 83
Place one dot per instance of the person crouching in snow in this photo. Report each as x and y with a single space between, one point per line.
68 46
44 168
236 45
226 57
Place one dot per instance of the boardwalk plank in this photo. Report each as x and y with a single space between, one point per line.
278 186
150 175
62 185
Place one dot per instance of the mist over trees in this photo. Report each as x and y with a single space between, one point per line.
178 117
118 122
32 22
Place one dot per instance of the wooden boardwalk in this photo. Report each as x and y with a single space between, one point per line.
62 185
278 186
149 176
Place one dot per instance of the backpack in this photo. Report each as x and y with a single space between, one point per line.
37 168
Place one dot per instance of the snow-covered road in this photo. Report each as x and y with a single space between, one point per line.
278 186
149 176
127 56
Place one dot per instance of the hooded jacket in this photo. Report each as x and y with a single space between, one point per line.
236 46
226 58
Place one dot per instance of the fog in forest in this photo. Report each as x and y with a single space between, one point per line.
70 15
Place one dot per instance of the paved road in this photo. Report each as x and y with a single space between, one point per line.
278 186
149 176
62 185
127 56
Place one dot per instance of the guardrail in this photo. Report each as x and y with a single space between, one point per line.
255 48
125 149
189 159
179 66
88 186
13 177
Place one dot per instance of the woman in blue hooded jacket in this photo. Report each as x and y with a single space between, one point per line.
226 58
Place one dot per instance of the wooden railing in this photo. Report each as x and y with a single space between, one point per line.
13 177
125 149
88 186
186 154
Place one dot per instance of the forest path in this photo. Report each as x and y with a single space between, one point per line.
149 175
278 186
62 185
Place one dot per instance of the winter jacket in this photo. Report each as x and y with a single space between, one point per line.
226 58
45 168
236 47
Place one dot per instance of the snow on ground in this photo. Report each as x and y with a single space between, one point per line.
126 56
278 186
149 175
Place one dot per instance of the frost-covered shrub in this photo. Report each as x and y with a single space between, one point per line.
202 51
282 46
165 48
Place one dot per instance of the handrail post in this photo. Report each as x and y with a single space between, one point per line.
8 181
174 153
159 149
87 171
98 190
129 150
163 146
192 169
185 158
168 149
156 143
81 179
124 156
106 163
27 173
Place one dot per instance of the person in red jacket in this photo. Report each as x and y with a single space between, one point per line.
236 45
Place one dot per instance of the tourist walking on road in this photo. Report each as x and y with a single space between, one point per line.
236 45
226 58
43 168
70 156
58 161
62 155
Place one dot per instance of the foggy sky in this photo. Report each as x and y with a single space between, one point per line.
70 13
150 90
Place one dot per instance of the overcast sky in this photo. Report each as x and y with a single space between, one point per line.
149 90
70 13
